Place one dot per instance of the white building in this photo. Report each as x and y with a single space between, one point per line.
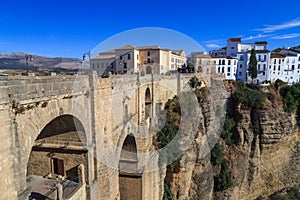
226 65
242 52
285 65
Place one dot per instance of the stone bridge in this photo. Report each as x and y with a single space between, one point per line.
62 136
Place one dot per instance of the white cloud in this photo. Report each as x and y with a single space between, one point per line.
256 37
272 28
214 41
212 45
286 36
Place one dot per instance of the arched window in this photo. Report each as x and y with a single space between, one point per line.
223 62
148 70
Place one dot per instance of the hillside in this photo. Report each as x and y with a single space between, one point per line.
17 61
257 155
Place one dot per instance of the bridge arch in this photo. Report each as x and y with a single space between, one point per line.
59 151
130 177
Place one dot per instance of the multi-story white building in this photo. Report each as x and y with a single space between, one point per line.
146 59
285 65
226 66
242 52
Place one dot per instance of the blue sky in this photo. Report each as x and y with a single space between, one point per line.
71 28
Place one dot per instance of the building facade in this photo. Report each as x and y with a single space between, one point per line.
146 60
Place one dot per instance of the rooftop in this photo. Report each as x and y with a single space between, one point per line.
277 55
261 42
235 40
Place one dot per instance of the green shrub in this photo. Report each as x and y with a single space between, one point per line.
291 95
223 181
217 154
168 136
249 98
167 192
226 133
293 194
278 196
194 82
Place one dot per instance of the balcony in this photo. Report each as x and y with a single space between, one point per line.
51 188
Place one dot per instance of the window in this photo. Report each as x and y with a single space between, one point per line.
241 57
298 66
259 58
293 67
219 69
102 65
125 65
228 69
128 56
228 74
234 62
222 70
148 60
220 62
299 58
229 62
265 57
93 65
240 73
258 67
278 67
137 56
98 65
120 57
279 61
58 166
241 66
264 67
148 53
274 61
232 47
264 73
172 59
223 62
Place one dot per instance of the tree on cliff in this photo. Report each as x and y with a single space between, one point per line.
252 68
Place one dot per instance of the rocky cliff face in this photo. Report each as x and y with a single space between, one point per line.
261 162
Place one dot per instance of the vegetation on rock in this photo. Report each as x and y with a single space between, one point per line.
291 98
248 97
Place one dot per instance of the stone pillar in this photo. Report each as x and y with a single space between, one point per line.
81 173
59 190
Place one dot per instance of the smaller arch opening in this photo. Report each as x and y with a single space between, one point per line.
148 103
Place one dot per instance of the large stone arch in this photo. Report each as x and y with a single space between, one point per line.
59 154
29 125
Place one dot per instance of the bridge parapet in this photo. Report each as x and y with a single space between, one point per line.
28 88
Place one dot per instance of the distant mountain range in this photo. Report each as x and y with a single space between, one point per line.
17 61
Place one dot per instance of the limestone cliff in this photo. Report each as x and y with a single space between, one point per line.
261 161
